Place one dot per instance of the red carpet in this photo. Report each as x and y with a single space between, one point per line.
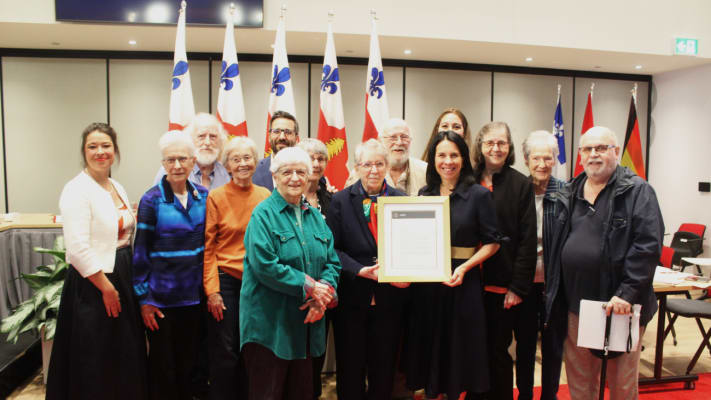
669 391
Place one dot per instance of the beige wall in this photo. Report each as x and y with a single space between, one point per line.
49 101
2 167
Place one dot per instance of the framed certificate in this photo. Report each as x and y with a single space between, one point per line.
413 239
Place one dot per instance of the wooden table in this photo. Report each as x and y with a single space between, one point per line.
662 291
30 221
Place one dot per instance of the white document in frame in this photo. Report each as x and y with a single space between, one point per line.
411 247
591 327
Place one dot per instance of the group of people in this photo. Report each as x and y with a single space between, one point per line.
267 254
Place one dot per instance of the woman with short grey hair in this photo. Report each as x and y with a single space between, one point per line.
290 275
540 150
369 317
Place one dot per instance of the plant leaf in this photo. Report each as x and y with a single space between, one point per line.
49 328
14 322
37 280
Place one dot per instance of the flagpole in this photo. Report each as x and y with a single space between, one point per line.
592 89
634 94
559 87
283 12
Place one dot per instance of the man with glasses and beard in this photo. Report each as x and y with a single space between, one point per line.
283 133
209 136
405 173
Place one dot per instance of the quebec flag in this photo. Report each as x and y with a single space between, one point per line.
230 104
376 100
559 170
281 93
182 108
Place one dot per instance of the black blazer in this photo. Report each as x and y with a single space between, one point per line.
356 249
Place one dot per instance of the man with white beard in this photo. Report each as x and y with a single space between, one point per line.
208 136
405 173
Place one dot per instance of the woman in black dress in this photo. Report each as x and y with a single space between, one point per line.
446 343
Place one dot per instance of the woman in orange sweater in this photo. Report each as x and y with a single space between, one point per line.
228 210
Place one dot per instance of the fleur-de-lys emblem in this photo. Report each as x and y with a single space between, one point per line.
329 79
376 80
279 78
228 73
181 67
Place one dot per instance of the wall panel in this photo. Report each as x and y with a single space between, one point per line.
429 91
353 78
48 103
140 99
2 157
527 103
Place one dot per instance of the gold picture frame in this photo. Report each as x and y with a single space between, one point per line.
414 239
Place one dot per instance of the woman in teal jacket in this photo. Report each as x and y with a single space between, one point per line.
290 275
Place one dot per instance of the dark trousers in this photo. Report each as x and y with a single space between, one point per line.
499 334
552 340
528 321
319 361
172 352
367 340
228 376
272 378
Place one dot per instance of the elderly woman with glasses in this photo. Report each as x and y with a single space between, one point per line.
229 208
508 275
540 150
290 276
167 264
368 320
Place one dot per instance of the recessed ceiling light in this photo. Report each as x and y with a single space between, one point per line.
349 51
637 67
529 59
55 43
271 45
407 51
132 42
597 67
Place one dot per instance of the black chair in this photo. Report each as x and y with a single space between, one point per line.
696 309
688 242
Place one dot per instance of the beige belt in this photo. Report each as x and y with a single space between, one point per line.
463 253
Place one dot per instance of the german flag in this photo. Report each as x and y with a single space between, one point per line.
632 154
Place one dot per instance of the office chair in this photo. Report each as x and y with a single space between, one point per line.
666 260
688 242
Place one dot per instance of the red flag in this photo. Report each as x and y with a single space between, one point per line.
230 104
632 154
587 124
376 101
182 109
331 124
281 94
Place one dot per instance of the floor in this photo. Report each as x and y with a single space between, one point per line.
676 359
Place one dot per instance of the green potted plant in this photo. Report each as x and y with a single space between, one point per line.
39 312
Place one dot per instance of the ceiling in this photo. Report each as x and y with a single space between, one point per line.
82 36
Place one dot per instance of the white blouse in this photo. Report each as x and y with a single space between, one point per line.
90 224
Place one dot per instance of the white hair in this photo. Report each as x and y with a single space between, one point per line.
395 125
237 142
540 138
604 132
291 156
173 138
315 146
207 122
370 146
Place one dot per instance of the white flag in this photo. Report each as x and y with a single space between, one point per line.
230 104
376 100
182 109
281 93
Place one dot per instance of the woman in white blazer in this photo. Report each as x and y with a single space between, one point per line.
99 347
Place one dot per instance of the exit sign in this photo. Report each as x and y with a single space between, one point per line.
686 47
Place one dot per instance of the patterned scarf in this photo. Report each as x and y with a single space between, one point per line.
370 209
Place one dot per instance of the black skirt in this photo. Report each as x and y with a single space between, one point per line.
445 344
95 356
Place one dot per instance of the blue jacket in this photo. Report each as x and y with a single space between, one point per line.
169 246
551 208
631 246
262 176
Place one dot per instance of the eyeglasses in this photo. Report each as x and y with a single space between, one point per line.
237 159
599 149
286 132
394 138
172 160
288 173
379 165
491 143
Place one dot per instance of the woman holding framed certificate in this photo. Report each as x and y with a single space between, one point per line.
445 351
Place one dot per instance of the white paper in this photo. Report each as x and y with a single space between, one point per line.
591 327
412 252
